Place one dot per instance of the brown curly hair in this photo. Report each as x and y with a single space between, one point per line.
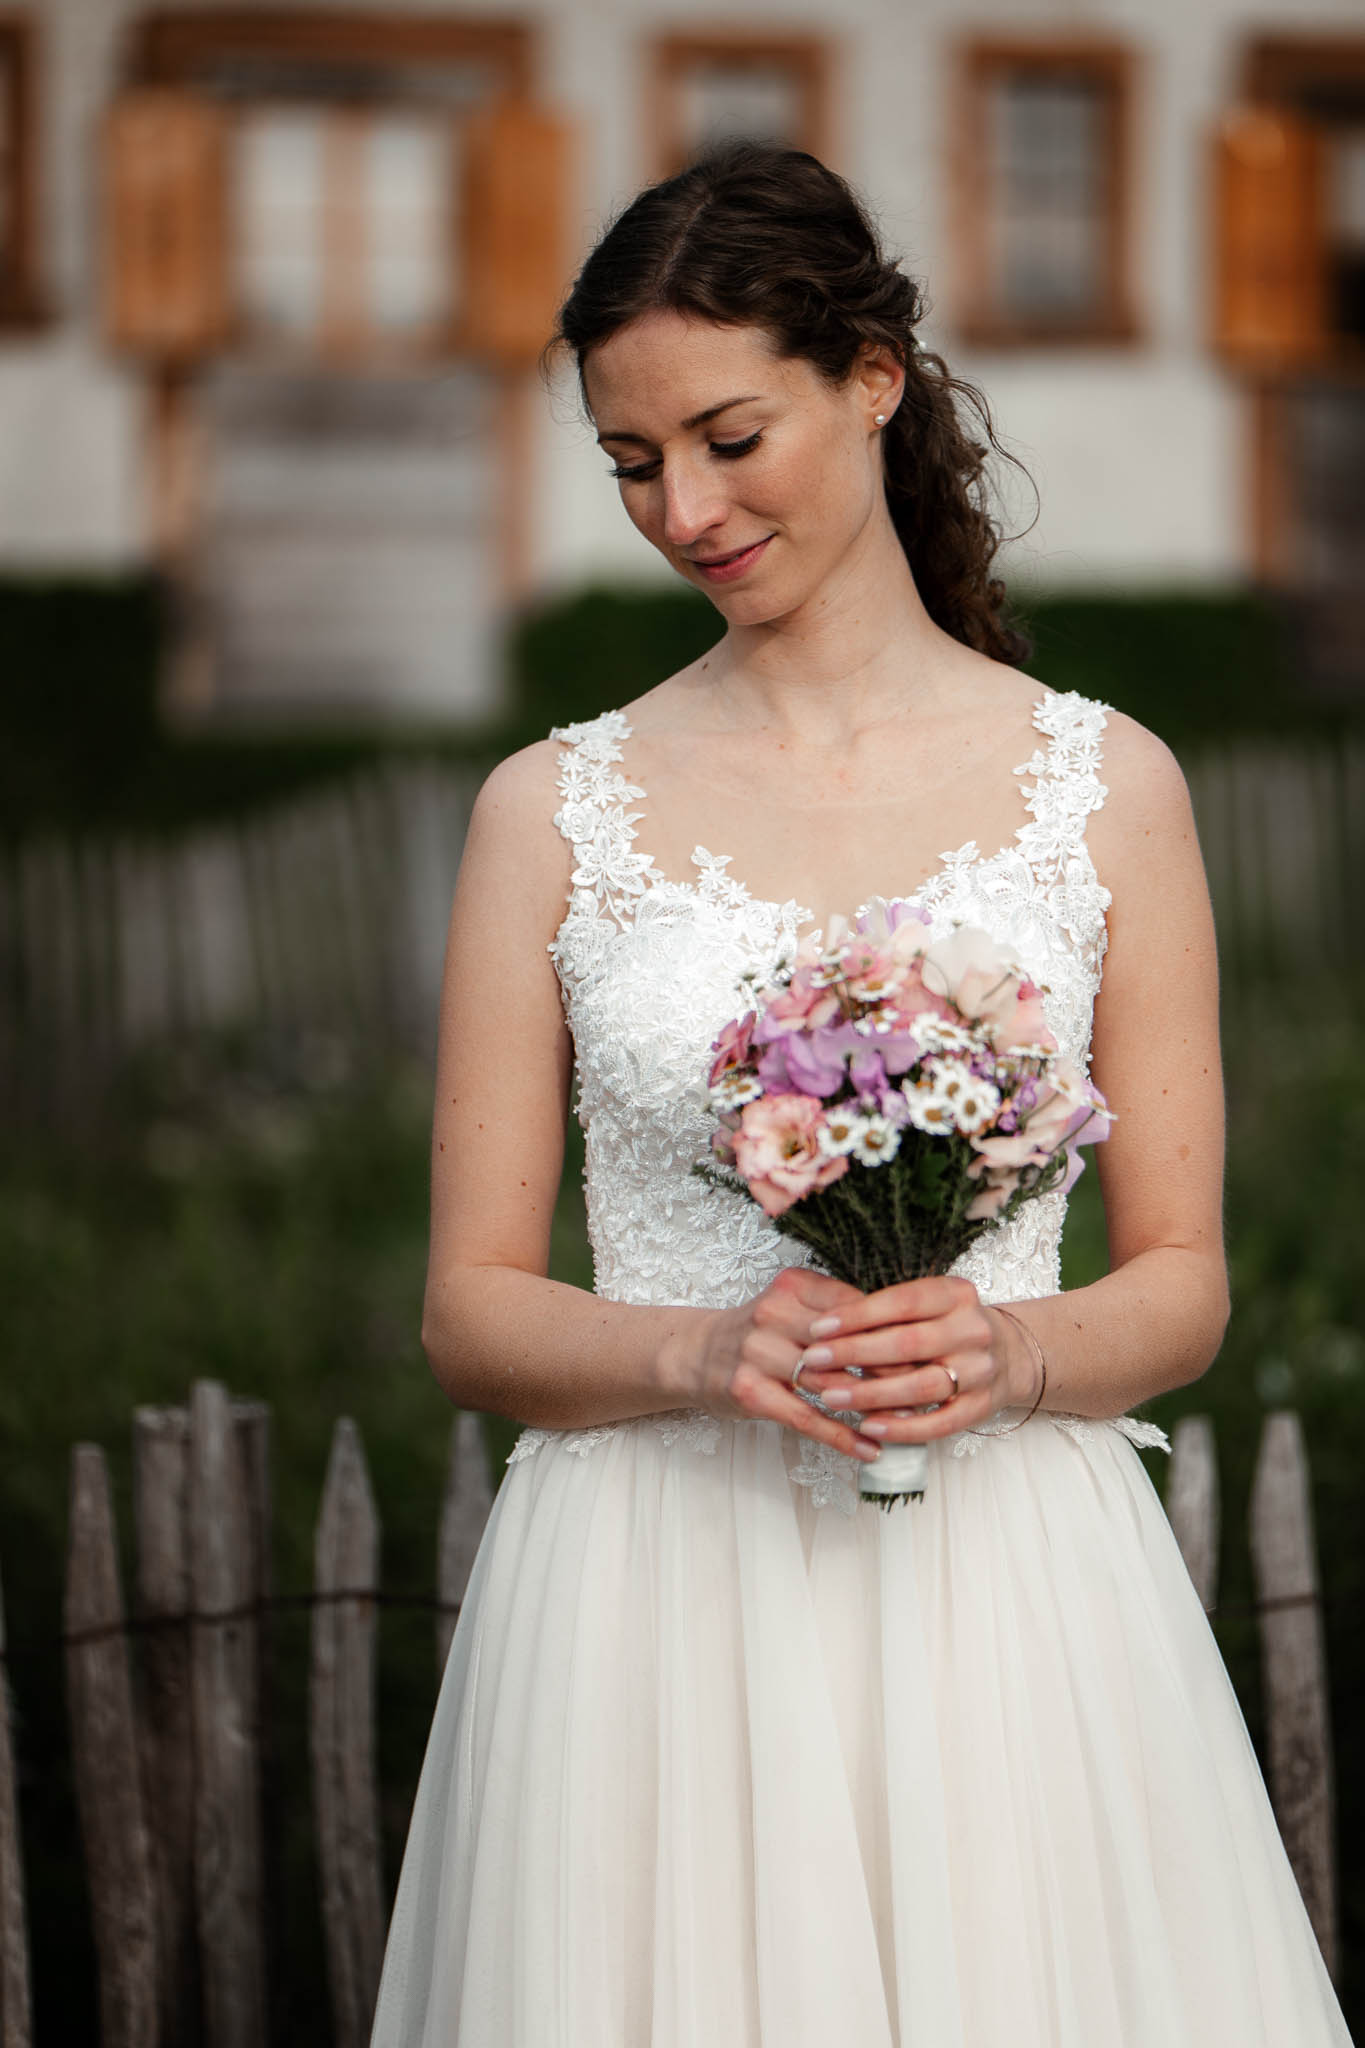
753 233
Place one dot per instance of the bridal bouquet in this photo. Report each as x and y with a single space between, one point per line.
886 1100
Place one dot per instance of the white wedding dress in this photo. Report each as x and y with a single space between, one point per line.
722 1760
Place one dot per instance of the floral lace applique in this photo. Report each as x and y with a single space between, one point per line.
693 1428
650 969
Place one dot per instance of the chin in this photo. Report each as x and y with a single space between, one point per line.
754 607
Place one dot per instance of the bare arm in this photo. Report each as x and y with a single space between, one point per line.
498 1333
1156 1319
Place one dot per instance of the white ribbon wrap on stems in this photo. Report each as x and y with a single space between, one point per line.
901 1468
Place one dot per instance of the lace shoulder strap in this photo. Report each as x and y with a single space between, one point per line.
1066 785
593 816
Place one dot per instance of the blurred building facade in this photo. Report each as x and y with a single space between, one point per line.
273 280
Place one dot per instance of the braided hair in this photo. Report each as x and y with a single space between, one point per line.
752 233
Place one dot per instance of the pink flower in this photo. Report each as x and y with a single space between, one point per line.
800 1007
1067 1109
777 1151
972 971
734 1047
1007 1154
881 918
992 1196
912 998
1025 1024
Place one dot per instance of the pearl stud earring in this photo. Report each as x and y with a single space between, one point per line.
881 419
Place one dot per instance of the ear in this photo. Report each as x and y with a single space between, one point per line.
878 380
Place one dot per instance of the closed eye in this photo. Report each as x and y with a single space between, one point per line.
641 472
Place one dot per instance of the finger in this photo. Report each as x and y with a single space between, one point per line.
964 1329
926 1426
776 1403
907 1301
917 1388
811 1289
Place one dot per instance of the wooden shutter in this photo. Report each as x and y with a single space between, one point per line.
515 164
165 225
1270 255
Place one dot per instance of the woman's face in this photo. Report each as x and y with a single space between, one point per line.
750 473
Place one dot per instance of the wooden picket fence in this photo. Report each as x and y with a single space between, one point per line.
171 1744
318 920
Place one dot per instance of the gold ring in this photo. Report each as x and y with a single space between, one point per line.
953 1377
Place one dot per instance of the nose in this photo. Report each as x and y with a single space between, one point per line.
693 503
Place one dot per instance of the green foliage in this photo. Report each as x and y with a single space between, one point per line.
1191 665
587 653
82 746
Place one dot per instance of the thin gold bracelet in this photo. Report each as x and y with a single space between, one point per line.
1031 1338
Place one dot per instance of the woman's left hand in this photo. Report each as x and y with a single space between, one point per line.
909 1340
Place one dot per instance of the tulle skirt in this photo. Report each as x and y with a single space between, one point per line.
715 1767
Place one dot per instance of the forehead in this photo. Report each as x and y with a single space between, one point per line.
666 366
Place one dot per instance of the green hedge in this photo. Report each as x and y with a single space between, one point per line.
82 743
1191 666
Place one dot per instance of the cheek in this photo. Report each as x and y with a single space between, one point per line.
821 485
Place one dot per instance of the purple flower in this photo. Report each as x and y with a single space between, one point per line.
899 1051
816 1060
866 1072
772 1067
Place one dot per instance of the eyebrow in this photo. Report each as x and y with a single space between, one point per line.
698 419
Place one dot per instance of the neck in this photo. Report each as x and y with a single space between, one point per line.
860 650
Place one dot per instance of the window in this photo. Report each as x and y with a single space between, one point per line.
18 289
1040 188
343 229
710 88
352 146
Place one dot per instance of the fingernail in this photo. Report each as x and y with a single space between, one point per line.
875 1428
825 1326
866 1451
817 1354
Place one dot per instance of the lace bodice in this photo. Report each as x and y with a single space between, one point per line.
650 970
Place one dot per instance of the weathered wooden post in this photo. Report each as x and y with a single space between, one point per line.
161 1453
346 1803
464 1511
1284 1558
16 2019
224 1696
105 1754
1192 1503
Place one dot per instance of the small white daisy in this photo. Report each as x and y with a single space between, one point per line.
839 1130
876 1141
974 1101
735 1088
929 1109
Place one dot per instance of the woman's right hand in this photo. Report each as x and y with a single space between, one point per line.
741 1360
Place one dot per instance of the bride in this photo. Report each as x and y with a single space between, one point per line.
721 1759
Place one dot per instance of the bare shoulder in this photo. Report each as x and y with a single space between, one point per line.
1145 784
522 784
1144 836
514 853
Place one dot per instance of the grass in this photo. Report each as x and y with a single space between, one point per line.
245 1226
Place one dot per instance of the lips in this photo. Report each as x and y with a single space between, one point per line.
723 568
